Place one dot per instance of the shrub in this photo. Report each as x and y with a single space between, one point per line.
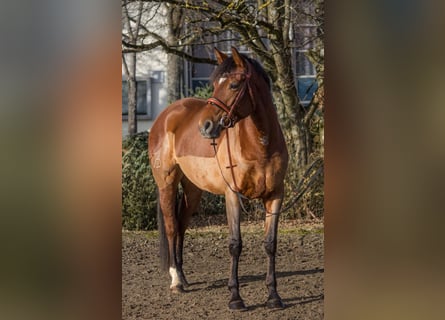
138 186
203 92
212 204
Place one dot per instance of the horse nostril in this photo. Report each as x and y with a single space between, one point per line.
210 129
208 126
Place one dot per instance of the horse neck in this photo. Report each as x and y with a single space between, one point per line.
260 131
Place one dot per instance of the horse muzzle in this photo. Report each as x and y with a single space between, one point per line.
210 129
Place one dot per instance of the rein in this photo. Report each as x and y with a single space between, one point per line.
228 121
231 166
307 178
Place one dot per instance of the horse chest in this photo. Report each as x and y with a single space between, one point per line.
253 181
261 177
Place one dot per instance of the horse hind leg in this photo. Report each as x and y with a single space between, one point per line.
187 205
169 224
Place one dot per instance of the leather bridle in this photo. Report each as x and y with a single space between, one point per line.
230 118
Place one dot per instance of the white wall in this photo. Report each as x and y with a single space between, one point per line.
148 65
143 125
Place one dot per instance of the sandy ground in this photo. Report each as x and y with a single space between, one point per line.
300 269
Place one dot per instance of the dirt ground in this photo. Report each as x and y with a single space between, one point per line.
300 269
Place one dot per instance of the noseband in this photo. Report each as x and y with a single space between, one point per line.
229 119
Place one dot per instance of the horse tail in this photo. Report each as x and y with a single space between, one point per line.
163 242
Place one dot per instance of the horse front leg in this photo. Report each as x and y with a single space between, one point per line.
273 206
235 248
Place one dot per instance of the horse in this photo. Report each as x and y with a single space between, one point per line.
230 144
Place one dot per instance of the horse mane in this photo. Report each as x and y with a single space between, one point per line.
229 64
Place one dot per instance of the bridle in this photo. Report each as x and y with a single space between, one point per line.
228 121
230 118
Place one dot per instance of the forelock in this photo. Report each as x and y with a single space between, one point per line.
228 65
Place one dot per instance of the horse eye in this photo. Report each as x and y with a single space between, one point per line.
234 85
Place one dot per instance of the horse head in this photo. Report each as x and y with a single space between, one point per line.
232 98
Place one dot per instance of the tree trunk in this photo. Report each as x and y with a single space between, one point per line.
132 95
173 78
291 113
129 60
285 93
174 69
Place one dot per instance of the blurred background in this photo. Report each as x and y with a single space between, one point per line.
61 124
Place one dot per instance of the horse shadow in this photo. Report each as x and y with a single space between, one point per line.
262 277
289 302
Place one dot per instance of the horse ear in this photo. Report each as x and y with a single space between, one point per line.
239 60
220 57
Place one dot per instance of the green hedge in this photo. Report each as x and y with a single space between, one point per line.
138 186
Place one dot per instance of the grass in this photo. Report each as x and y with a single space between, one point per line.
286 227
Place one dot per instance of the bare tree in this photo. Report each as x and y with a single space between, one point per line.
267 28
174 66
131 16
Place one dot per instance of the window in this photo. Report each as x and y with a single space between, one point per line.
141 93
229 39
198 74
305 74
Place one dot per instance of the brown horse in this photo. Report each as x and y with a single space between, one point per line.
231 144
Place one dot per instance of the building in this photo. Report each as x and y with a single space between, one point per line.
152 86
151 90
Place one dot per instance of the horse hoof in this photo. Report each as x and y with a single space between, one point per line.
185 282
275 304
237 305
177 289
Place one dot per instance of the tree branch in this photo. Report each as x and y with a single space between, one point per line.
167 49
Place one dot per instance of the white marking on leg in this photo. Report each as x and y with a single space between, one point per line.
175 277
